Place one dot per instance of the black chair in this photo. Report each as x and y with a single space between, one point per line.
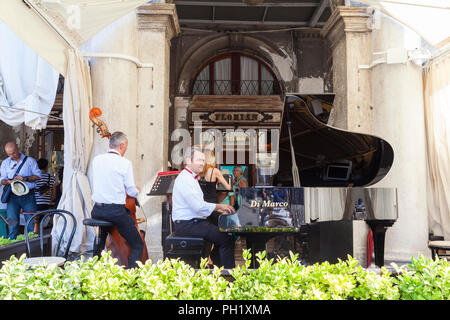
46 214
100 235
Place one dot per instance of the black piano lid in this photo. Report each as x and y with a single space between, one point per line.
320 148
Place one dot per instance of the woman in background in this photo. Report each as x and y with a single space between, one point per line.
239 182
209 179
44 193
228 197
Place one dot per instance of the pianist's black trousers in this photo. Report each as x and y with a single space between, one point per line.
201 228
119 216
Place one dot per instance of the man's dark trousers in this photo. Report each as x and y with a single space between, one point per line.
203 229
120 217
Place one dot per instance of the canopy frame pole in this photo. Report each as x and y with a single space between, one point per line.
135 60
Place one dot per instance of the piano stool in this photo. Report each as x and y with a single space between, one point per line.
437 246
189 249
100 235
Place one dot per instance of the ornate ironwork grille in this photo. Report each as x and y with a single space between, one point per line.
235 73
237 87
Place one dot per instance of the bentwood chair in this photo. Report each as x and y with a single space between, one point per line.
57 259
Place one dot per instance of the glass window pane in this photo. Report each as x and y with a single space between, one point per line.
249 76
222 77
201 84
267 82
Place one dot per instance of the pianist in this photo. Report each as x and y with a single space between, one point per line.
189 210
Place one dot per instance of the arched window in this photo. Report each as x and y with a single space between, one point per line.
235 73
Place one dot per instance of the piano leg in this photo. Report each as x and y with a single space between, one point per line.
255 246
256 243
379 228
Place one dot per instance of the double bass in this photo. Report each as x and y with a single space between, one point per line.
115 242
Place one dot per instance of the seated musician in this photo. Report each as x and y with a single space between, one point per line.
190 210
112 181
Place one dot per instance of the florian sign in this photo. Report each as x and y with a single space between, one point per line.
236 111
235 117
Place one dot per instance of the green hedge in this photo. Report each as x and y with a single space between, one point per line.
283 279
20 237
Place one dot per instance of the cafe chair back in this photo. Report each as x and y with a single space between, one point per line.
46 215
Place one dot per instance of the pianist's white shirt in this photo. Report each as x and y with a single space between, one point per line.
187 198
112 178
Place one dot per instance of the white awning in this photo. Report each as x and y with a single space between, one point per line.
37 35
50 27
27 83
429 18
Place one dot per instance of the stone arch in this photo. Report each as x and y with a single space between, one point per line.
282 65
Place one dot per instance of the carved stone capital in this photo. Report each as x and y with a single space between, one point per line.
160 17
346 20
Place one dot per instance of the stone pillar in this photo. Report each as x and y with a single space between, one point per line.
157 25
348 33
385 101
135 99
398 117
114 82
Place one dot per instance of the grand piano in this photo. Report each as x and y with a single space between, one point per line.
335 171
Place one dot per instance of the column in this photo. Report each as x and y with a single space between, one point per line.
157 25
385 101
114 82
398 117
348 33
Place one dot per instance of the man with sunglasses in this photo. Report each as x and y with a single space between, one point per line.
29 173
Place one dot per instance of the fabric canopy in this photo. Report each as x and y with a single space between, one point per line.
78 140
27 82
437 121
53 26
429 18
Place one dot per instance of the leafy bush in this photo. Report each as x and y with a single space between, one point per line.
20 237
284 278
425 279
288 279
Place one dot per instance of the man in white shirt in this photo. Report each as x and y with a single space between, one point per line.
189 210
112 181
